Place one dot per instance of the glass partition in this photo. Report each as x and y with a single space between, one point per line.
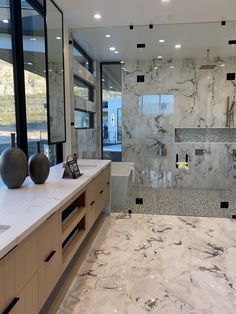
178 113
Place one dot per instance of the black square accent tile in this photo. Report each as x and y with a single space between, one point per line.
139 201
224 204
140 78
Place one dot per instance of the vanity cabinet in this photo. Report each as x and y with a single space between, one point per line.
30 271
50 257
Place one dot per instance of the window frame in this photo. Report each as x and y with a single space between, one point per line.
91 88
85 55
15 7
91 119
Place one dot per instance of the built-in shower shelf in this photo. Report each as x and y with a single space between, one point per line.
212 135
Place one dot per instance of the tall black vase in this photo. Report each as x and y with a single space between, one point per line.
38 167
13 165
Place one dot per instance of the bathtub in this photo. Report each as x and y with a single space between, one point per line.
121 174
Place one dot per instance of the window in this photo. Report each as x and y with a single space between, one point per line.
111 111
23 101
35 76
156 104
80 56
83 89
7 103
84 119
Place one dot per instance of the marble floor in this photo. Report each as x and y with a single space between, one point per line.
157 264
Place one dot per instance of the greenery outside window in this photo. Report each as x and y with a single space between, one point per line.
83 89
84 119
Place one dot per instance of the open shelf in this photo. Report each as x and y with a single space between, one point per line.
71 243
69 212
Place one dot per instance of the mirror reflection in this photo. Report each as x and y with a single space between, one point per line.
55 74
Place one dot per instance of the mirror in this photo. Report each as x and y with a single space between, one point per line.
55 74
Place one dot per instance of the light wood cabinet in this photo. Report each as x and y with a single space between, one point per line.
26 302
31 270
49 256
30 267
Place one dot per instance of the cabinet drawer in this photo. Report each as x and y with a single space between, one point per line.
48 237
48 275
50 257
90 204
18 267
25 302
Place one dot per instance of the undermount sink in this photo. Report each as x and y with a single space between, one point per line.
4 228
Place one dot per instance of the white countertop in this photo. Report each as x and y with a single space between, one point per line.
24 209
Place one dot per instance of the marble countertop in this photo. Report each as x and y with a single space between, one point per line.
26 208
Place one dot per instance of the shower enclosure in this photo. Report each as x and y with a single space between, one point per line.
178 115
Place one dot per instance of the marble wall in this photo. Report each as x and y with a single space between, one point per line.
199 102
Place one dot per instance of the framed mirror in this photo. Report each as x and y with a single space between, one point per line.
55 73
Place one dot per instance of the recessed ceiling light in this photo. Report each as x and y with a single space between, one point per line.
159 57
178 46
172 67
103 80
155 68
33 38
161 41
222 65
108 35
97 16
29 63
122 62
124 68
5 21
165 1
58 37
112 48
111 87
116 51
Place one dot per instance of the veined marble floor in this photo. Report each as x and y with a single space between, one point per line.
157 264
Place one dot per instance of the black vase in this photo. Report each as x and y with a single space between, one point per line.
38 167
13 165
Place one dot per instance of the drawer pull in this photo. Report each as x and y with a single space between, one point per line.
49 256
101 192
10 306
91 204
108 183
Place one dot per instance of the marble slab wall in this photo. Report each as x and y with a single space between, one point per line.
199 101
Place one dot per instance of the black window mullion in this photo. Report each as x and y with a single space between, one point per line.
19 78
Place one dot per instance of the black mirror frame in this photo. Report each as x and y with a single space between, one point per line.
47 72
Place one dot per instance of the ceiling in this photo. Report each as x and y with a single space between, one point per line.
79 13
194 38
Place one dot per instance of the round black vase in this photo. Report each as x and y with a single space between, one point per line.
38 167
13 165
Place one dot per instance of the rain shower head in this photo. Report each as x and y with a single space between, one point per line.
207 66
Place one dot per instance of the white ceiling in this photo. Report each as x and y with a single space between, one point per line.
195 38
79 13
